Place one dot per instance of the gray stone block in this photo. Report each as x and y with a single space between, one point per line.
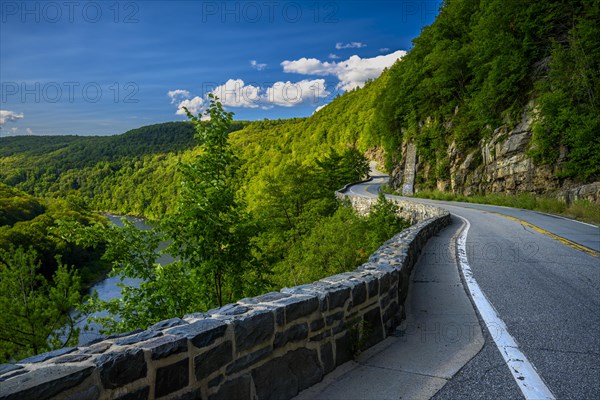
373 327
333 318
317 324
44 383
327 358
168 323
244 362
12 374
253 329
392 312
195 315
343 349
201 333
171 378
214 359
4 368
91 393
372 285
215 381
320 336
138 394
231 310
359 294
120 368
165 346
71 358
284 377
338 295
270 297
123 334
278 311
298 306
239 388
339 327
138 337
97 348
46 356
384 283
293 334
318 289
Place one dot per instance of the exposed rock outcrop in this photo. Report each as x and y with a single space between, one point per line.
501 164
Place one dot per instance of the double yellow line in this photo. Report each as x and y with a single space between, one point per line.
568 242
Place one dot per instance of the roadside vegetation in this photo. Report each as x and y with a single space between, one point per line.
581 210
233 233
294 232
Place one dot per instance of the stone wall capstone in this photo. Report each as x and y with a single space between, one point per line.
266 347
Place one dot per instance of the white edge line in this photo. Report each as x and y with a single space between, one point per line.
531 384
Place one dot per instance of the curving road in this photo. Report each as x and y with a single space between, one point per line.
535 282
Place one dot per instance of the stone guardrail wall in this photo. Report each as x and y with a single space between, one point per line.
266 347
413 212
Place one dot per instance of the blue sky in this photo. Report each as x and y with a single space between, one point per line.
104 67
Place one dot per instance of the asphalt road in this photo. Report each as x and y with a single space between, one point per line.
544 288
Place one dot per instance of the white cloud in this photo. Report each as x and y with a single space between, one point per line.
195 106
351 45
352 73
288 94
384 49
320 108
178 95
257 66
310 66
235 93
29 131
333 56
9 116
355 71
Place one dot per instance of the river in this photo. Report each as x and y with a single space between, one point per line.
107 288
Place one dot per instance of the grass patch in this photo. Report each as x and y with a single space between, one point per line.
581 210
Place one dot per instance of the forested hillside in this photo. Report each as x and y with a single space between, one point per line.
132 173
482 64
44 270
479 66
35 223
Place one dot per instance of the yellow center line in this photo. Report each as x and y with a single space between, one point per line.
568 242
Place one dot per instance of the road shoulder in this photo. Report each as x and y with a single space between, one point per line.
439 336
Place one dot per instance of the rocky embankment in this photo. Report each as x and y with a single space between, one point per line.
500 164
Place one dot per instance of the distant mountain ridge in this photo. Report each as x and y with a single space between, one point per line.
157 138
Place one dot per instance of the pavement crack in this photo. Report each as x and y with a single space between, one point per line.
403 370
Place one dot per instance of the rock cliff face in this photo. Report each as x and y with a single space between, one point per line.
499 165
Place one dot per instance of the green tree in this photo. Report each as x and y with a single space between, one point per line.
36 314
568 99
162 292
338 169
210 230
338 243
